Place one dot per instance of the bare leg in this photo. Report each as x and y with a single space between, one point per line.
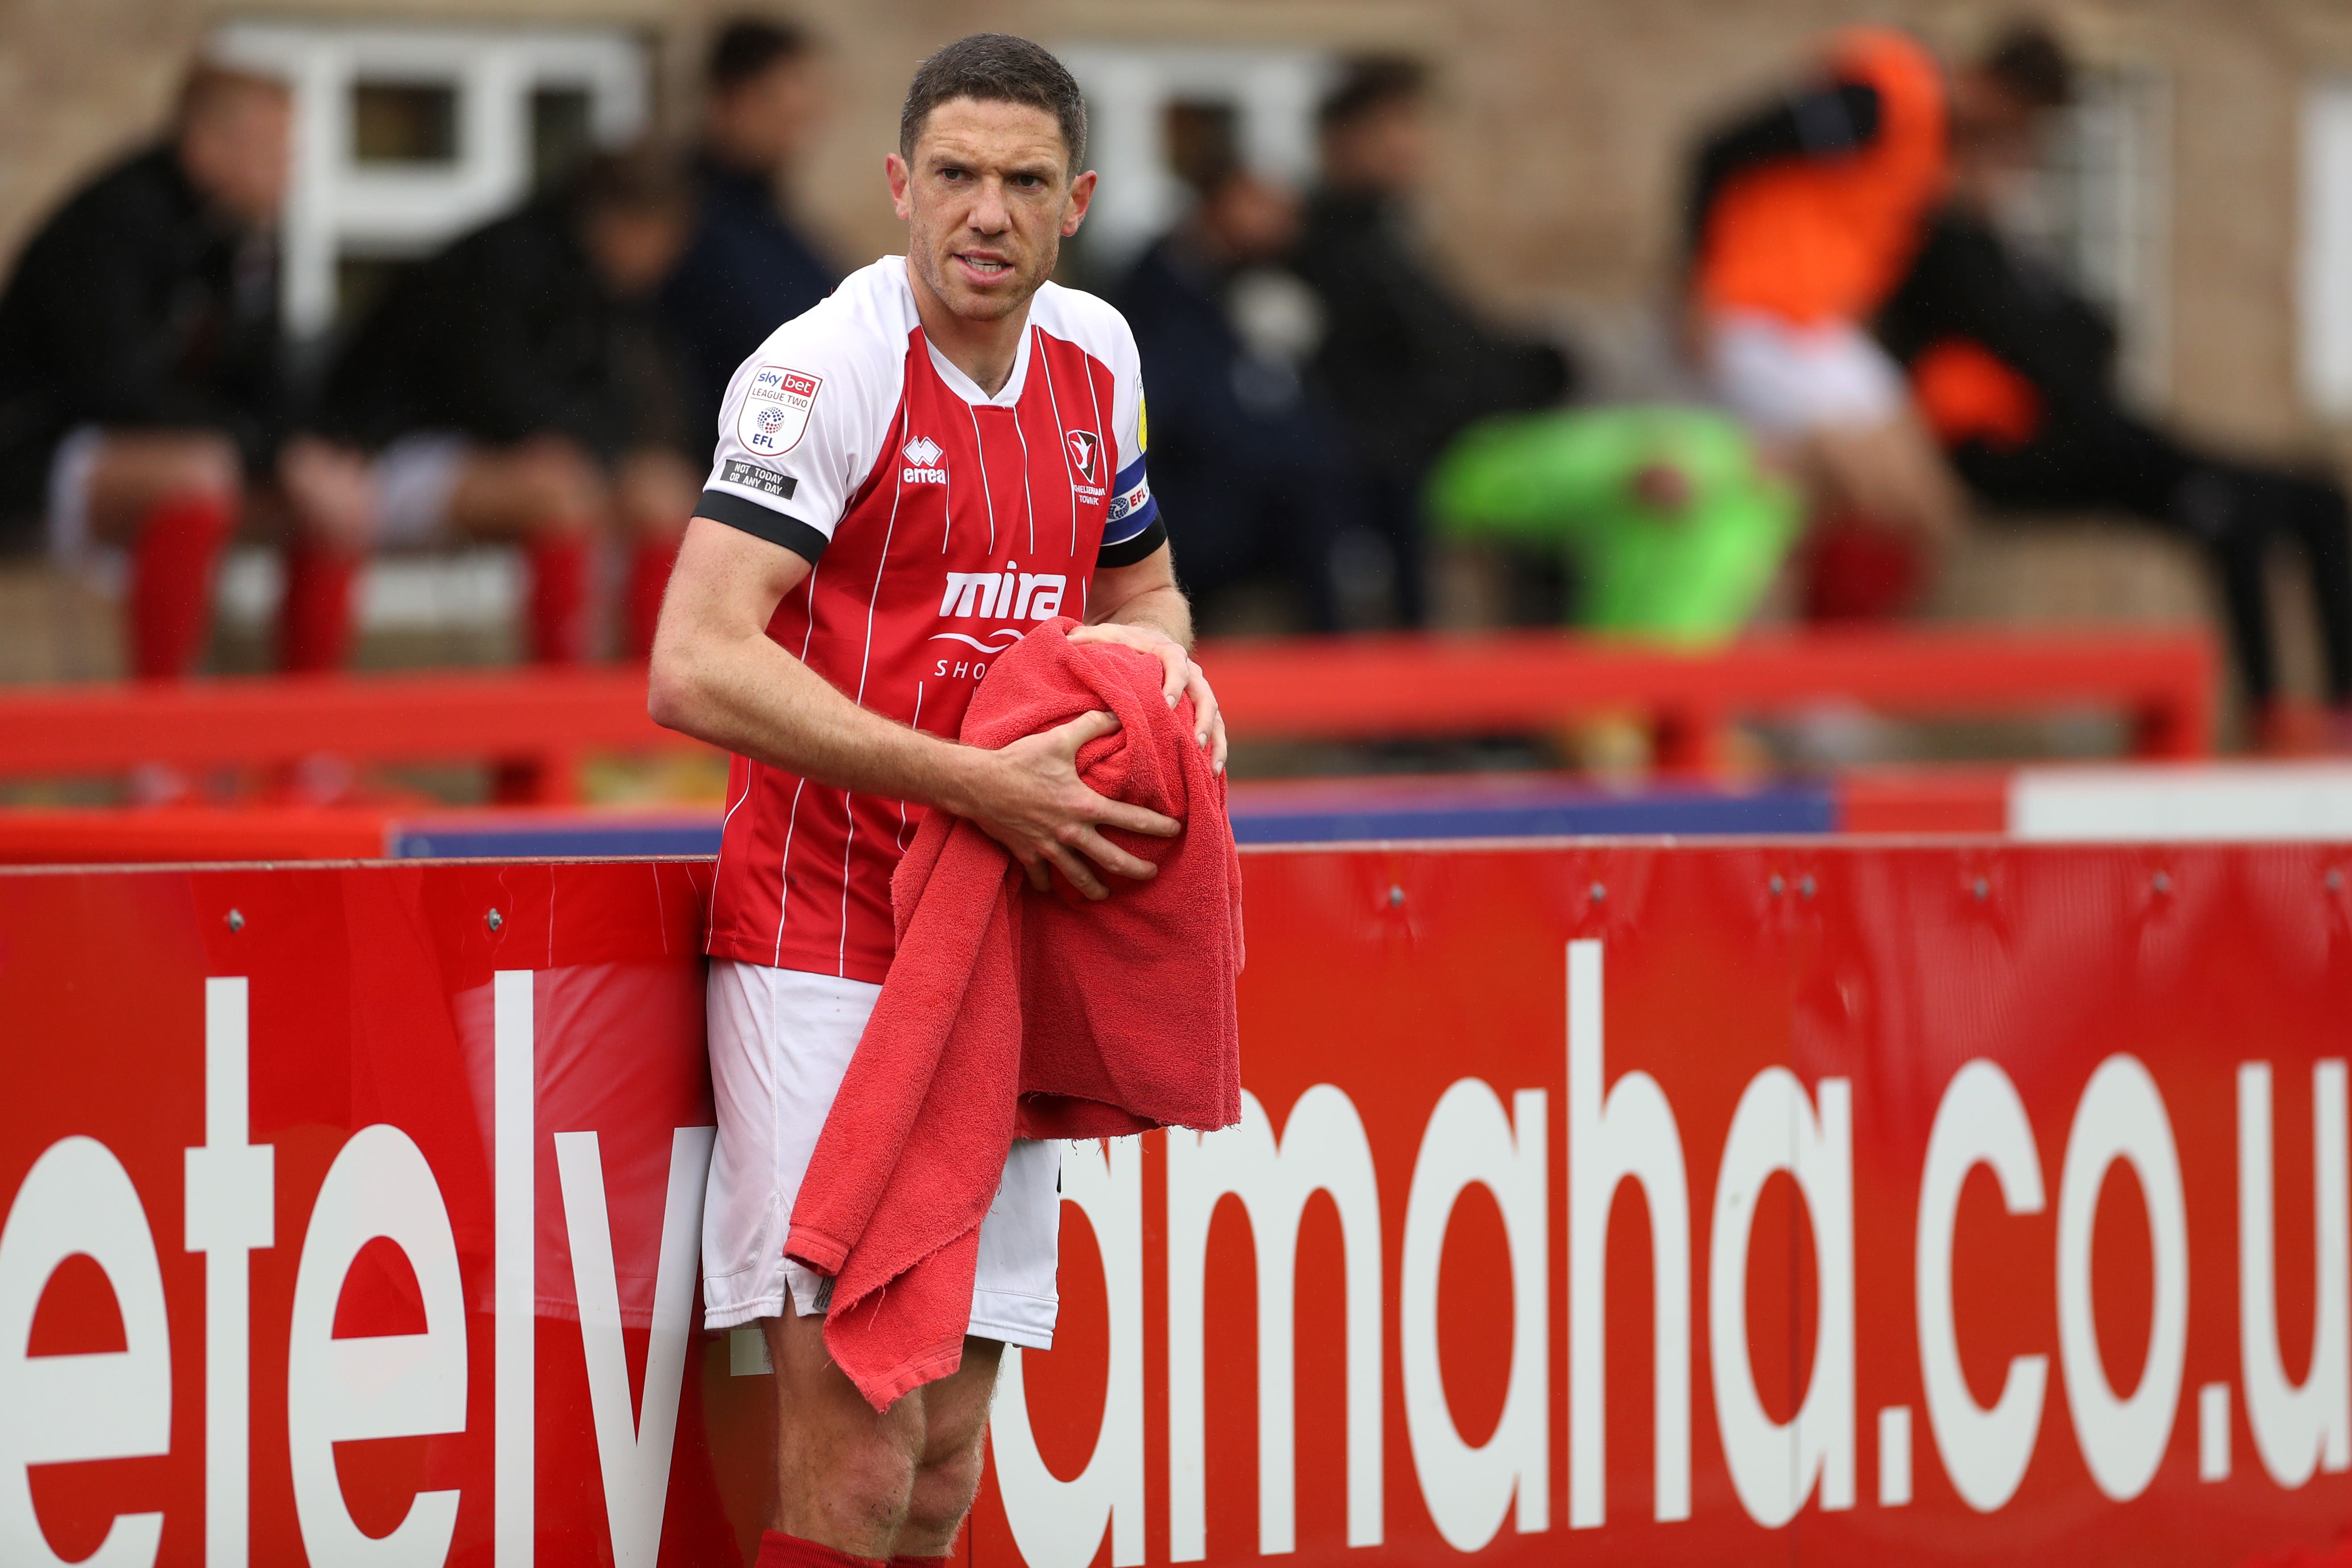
171 499
137 468
843 1472
955 1416
540 487
552 498
655 492
897 1484
1891 473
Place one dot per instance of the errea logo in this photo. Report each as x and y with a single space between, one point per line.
922 455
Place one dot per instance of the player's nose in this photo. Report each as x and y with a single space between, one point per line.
989 213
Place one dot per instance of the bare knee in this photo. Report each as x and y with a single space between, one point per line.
844 1471
136 470
542 486
944 1486
955 1419
560 485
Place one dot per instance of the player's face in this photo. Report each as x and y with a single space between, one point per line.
988 200
236 149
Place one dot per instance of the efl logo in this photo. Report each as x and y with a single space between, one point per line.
1131 501
922 454
775 412
1086 452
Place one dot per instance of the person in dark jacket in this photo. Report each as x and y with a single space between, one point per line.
749 269
1410 363
2015 371
522 384
1247 457
143 400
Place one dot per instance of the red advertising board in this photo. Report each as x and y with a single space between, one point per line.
1837 1202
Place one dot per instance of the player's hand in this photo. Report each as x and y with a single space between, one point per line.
1184 678
1029 798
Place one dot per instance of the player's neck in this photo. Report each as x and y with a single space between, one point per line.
984 351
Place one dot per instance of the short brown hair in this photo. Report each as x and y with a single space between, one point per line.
646 179
210 83
748 46
996 67
1369 83
2029 61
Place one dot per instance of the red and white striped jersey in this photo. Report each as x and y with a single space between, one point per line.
939 524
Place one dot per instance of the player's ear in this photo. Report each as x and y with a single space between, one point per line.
901 179
1082 196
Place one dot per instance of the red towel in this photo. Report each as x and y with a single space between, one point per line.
1011 1014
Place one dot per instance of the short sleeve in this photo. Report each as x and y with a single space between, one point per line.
1133 530
798 430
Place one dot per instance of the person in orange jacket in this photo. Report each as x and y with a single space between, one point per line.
2013 368
1804 215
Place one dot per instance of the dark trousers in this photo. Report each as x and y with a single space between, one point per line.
2233 510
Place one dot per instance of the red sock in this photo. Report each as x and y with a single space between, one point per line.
649 567
1861 570
314 629
179 545
559 597
778 1549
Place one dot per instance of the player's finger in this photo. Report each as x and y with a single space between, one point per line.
1085 727
1204 703
1039 877
1217 746
1136 819
1111 858
1080 874
1177 665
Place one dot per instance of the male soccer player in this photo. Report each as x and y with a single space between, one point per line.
143 402
946 452
1802 217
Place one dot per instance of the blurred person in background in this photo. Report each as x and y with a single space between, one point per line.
524 386
1671 522
2015 371
1246 448
749 268
144 404
1409 364
1804 215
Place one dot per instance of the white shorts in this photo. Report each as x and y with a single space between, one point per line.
71 465
1786 379
415 477
780 1040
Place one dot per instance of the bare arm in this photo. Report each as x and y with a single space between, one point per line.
718 675
1141 606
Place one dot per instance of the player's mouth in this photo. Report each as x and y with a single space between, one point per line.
983 269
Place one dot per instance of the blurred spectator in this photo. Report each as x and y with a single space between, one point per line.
1670 523
749 269
1245 449
1409 364
1802 217
524 386
143 403
2015 372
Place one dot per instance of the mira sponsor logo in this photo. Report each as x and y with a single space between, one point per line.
1010 595
922 455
